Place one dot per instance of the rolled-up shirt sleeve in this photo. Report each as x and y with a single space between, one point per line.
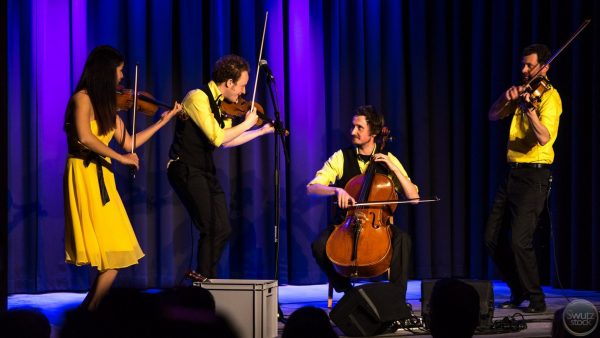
550 111
332 170
397 163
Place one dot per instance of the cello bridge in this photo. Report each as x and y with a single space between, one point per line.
360 218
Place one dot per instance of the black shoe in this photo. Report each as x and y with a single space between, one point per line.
196 277
513 303
535 307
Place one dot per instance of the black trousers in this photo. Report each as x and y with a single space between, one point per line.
517 207
399 266
204 200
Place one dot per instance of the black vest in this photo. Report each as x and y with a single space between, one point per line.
190 144
352 169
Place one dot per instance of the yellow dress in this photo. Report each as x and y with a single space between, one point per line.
96 234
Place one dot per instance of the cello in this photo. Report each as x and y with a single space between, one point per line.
361 245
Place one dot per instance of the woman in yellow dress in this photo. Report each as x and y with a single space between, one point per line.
97 229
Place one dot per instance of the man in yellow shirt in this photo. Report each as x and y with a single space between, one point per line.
191 170
521 196
338 170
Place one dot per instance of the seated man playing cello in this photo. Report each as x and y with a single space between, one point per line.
339 169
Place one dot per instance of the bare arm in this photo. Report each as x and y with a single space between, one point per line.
505 104
541 132
409 189
84 114
344 200
331 171
125 140
249 136
232 133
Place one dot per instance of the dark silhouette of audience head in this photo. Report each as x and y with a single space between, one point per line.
184 312
454 308
308 321
558 328
24 323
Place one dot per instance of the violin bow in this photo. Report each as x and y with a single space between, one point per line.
565 45
135 98
262 43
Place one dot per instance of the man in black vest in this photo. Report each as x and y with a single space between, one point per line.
191 169
339 169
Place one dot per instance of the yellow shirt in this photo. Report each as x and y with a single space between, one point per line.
197 106
523 146
333 170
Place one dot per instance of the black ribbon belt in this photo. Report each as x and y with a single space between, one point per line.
528 165
91 157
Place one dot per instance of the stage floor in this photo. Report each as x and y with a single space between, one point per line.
292 297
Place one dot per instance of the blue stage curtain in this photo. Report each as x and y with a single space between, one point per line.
432 67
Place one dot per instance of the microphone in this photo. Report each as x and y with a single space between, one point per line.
265 66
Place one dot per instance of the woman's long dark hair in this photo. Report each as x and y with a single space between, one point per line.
99 80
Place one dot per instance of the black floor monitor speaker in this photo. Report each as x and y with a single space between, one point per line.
486 301
370 309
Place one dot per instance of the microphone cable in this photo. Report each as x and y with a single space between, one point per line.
553 241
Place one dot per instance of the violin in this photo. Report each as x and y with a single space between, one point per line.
239 109
146 103
535 88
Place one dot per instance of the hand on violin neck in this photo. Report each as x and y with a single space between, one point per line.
344 200
505 104
513 93
169 114
268 128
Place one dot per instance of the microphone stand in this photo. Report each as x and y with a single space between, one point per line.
277 199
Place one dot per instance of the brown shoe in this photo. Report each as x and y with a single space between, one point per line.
196 277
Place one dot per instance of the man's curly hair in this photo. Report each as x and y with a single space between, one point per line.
542 51
374 119
229 67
